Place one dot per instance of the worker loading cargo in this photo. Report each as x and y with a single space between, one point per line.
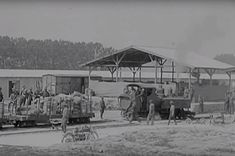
29 109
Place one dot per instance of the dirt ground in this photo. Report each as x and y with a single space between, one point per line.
197 138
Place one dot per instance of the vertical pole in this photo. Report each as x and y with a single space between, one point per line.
210 79
173 71
89 86
117 72
230 79
89 77
161 74
120 75
156 70
189 84
140 75
134 72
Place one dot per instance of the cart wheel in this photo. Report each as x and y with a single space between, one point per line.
88 120
15 124
20 124
68 137
33 123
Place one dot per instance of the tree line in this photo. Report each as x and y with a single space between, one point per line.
20 53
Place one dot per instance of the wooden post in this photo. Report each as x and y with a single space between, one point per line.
210 72
112 70
155 71
161 62
89 77
173 71
140 75
134 70
189 84
116 72
230 80
117 61
120 75
155 66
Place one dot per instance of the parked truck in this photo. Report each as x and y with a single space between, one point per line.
162 104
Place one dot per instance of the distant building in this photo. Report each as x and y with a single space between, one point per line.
10 78
69 80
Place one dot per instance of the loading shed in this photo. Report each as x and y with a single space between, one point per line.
67 83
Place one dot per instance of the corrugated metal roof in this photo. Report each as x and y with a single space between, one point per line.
138 55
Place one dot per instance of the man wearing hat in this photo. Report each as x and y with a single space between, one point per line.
172 113
151 113
1 95
64 117
102 107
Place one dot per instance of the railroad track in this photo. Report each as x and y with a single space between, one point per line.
43 129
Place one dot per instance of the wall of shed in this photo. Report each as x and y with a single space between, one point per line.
27 82
65 85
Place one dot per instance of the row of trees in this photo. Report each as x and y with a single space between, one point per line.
19 53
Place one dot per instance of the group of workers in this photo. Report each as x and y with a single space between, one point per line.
24 98
153 104
151 114
229 102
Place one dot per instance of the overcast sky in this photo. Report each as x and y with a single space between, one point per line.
204 27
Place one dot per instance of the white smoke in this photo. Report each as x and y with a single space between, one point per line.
205 30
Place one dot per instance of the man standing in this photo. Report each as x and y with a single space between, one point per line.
102 107
1 95
151 113
64 117
172 113
45 93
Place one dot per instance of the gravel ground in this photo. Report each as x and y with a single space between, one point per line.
135 139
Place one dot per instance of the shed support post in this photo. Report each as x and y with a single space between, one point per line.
189 83
116 72
134 70
140 75
155 80
111 70
117 62
173 71
161 63
120 73
89 77
89 86
230 80
210 72
155 66
190 78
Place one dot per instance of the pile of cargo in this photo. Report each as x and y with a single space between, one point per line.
76 102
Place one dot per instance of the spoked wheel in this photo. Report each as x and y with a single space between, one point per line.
92 135
15 124
68 137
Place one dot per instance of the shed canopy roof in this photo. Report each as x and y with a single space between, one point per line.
135 56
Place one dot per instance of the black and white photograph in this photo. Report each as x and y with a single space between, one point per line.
117 77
